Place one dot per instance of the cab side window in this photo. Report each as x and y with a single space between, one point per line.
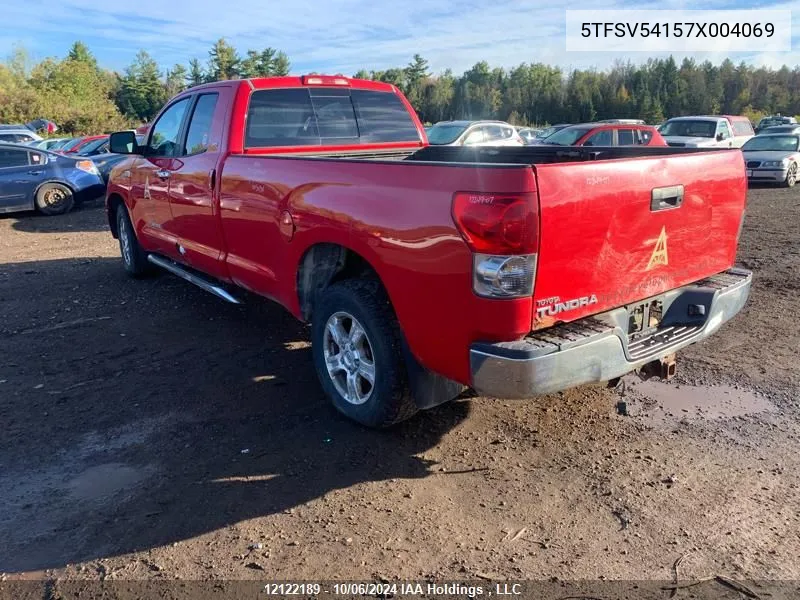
722 128
165 133
601 138
197 138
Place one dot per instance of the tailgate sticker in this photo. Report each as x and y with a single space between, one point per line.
659 256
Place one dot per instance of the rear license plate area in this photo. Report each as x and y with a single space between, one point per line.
645 317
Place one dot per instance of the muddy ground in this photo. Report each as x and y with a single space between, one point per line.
152 431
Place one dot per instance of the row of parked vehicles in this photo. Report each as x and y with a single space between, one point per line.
771 148
52 174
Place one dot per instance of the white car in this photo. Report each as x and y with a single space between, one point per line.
706 132
474 133
17 134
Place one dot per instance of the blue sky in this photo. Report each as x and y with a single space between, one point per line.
338 35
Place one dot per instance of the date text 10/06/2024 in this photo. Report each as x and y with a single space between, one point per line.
378 589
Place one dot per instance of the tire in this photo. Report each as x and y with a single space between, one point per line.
54 199
791 176
134 258
347 307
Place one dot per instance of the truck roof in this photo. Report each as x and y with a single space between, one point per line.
338 81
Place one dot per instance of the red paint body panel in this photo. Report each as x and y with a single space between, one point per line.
597 232
395 215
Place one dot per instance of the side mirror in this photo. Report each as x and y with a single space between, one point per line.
720 137
123 142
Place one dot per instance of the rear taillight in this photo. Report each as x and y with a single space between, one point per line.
502 231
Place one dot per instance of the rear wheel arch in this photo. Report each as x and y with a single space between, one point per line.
322 265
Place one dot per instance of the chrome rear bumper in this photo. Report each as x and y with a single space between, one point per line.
598 348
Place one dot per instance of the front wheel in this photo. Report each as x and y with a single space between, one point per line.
134 258
357 354
54 199
791 176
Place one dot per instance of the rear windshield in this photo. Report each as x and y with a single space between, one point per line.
774 143
446 133
316 116
689 128
568 136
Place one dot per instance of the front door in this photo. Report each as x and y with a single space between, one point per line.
150 174
195 214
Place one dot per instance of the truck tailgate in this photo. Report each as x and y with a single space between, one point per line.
617 231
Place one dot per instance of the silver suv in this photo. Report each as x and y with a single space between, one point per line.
17 134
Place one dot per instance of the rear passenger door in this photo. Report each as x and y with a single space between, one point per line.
627 137
192 187
19 178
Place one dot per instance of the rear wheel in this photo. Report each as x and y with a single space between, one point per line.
134 258
357 354
54 199
791 176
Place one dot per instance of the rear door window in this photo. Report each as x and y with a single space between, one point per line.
197 138
626 137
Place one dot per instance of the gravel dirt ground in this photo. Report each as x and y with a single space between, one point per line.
151 431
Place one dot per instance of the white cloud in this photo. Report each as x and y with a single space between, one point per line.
337 35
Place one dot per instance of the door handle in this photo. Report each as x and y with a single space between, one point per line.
35 172
664 198
162 174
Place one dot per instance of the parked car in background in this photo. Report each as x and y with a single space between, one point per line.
547 132
528 134
606 134
42 126
48 182
93 147
48 143
474 133
773 120
75 146
707 131
773 158
17 134
780 129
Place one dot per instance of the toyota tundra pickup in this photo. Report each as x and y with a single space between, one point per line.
422 269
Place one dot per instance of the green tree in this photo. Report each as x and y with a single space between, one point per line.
142 94
362 74
196 75
281 65
176 80
223 61
80 52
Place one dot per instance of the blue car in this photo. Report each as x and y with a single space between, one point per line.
48 182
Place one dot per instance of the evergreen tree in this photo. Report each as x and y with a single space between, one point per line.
281 65
196 75
80 52
223 61
142 91
176 80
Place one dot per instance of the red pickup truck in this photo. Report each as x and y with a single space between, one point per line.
425 269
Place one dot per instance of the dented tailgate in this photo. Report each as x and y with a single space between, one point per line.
618 231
